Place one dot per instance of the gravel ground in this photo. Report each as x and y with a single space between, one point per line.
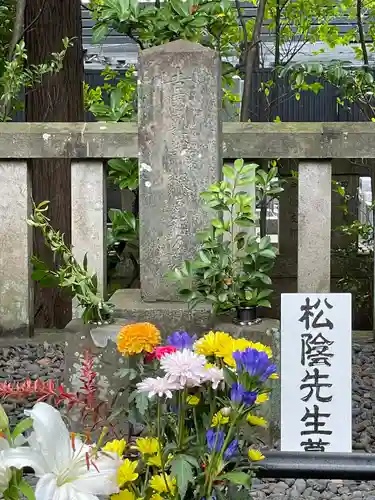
363 384
46 361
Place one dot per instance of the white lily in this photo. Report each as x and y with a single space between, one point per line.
5 471
66 468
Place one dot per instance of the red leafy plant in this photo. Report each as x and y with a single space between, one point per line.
86 398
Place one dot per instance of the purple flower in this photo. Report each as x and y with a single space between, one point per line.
255 363
238 394
181 340
270 371
215 440
231 450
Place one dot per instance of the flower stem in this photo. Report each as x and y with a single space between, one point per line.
158 427
211 397
145 481
196 426
208 480
181 423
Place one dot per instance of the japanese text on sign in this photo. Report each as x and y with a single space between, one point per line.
316 384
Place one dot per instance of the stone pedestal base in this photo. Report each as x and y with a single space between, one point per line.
168 317
107 361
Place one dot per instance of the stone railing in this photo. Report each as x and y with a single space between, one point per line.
180 144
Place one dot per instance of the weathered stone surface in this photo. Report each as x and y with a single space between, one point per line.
167 316
179 142
298 140
314 226
107 361
16 291
68 140
288 221
247 140
89 217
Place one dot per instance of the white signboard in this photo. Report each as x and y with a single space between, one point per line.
316 372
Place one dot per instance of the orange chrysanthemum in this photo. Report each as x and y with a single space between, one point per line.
137 338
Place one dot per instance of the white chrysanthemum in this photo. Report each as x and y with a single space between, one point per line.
159 385
184 368
215 375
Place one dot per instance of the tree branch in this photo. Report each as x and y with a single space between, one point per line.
250 59
29 26
242 22
18 26
362 35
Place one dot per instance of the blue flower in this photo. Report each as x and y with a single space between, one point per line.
181 340
231 450
255 363
238 394
215 440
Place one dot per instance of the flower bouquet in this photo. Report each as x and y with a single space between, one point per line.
197 400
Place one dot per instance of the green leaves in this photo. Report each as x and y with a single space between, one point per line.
182 470
230 268
21 427
180 7
69 274
99 32
141 401
129 373
239 478
26 490
123 172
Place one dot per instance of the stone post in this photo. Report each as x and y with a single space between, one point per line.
179 156
16 290
288 220
89 218
314 226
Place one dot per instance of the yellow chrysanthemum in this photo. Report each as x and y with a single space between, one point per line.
155 461
262 398
241 344
124 495
219 419
137 338
156 496
227 349
211 343
192 400
116 446
262 348
147 445
255 455
126 472
159 484
255 420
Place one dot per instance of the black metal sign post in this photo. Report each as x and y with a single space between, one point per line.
307 465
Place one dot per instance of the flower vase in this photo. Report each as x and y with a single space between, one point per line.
246 316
